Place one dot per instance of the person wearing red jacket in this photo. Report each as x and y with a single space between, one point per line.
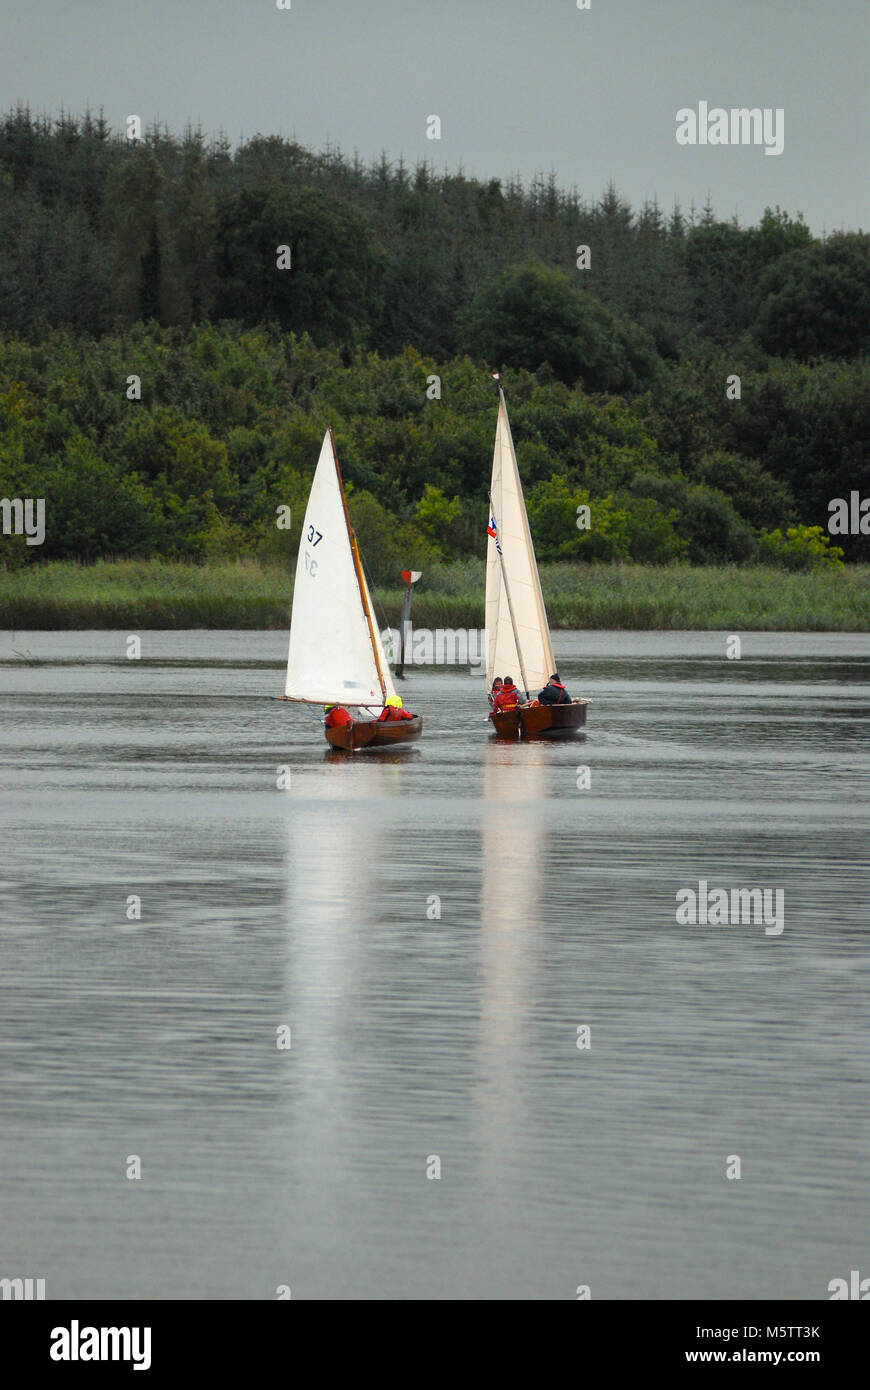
393 710
507 698
336 716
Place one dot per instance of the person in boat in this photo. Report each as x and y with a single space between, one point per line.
554 692
393 710
496 687
336 716
507 698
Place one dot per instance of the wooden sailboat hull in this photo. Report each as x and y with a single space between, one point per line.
506 724
541 721
553 721
372 733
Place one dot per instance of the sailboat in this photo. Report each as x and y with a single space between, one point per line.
516 619
336 656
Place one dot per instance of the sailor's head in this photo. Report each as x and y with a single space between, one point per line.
555 676
508 680
395 701
327 708
497 683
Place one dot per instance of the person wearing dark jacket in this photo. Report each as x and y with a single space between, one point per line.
554 692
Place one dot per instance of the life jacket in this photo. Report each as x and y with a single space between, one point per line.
393 712
506 699
337 717
554 693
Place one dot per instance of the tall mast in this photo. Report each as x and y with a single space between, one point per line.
508 597
358 569
543 633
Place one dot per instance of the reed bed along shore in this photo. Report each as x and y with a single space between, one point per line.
141 594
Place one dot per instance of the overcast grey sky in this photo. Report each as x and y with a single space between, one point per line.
519 85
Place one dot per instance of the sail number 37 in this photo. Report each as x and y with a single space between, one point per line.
315 537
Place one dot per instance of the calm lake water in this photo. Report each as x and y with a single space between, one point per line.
415 1035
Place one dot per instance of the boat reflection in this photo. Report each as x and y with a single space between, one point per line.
513 852
334 870
400 754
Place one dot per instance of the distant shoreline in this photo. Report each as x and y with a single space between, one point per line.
154 594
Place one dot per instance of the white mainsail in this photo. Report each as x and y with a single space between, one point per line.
335 651
516 620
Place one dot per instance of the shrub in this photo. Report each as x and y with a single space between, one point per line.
437 516
704 517
801 548
531 315
387 546
621 529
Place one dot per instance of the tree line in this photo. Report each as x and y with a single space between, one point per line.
229 423
158 258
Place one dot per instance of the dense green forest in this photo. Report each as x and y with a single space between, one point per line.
158 260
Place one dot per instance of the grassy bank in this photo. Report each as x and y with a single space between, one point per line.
154 594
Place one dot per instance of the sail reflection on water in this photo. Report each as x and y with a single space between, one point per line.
331 869
337 910
513 848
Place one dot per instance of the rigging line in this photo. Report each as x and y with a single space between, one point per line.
538 592
354 550
507 593
379 612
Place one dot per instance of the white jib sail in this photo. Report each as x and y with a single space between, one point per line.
532 664
331 658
